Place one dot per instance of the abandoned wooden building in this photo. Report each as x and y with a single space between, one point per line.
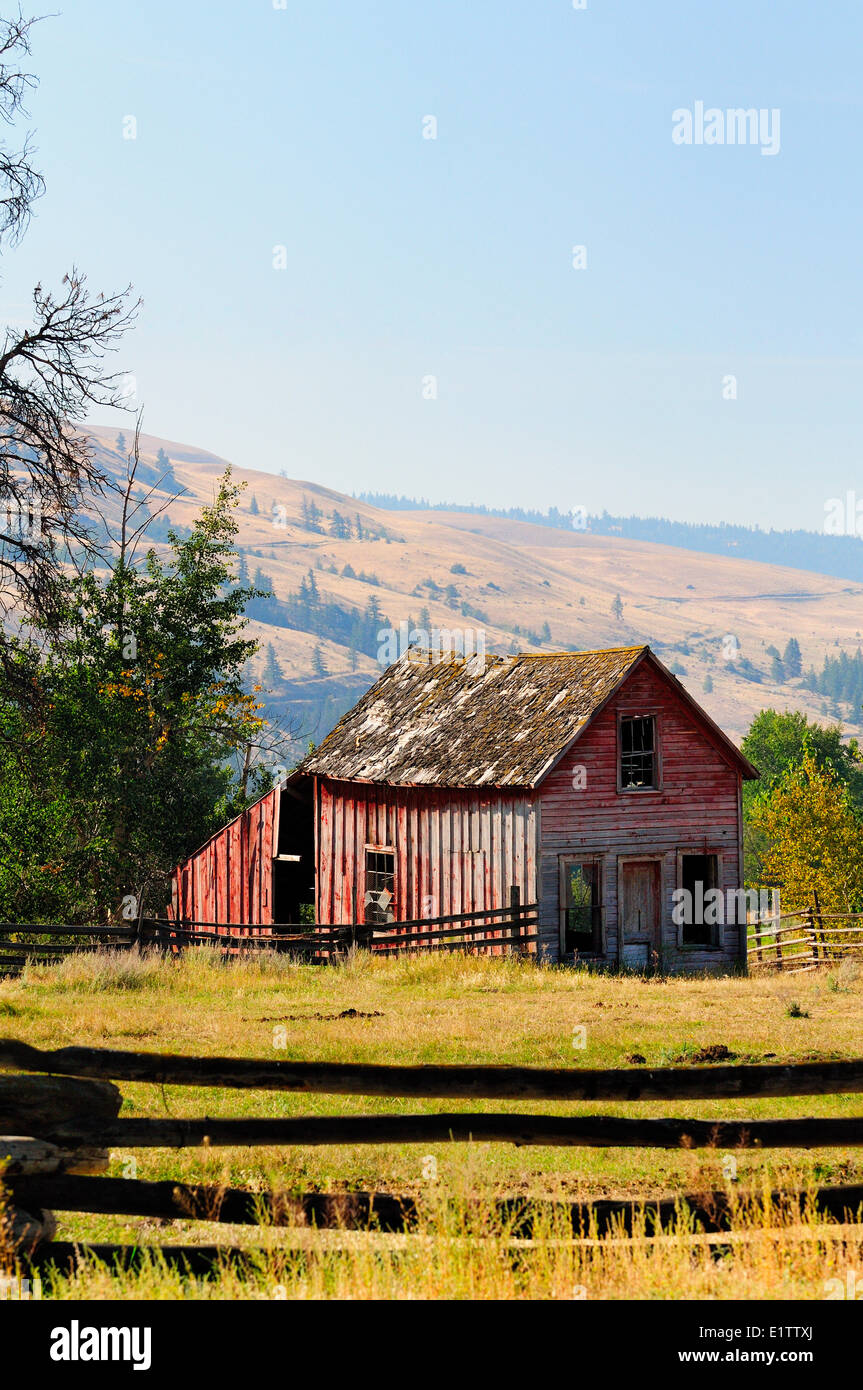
591 782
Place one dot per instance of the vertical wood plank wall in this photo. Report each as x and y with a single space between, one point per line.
230 879
454 851
696 809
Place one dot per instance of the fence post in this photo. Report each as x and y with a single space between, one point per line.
779 965
516 915
139 925
819 947
757 936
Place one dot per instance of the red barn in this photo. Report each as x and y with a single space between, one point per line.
590 781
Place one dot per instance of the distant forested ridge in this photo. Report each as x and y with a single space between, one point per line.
840 556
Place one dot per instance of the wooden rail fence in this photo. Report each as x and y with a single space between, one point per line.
811 939
503 929
67 1108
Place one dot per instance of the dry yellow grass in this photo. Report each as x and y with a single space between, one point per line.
448 1009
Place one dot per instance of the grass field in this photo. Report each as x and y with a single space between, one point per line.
456 1009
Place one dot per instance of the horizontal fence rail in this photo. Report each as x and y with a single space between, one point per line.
384 1211
503 929
812 939
450 1081
68 1109
597 1132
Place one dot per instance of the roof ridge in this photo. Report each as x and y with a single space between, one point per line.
587 651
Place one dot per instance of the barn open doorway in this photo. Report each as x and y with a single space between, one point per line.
640 914
294 860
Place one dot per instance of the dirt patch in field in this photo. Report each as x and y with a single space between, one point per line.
314 1018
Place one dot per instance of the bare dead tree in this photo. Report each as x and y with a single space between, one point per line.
21 183
51 374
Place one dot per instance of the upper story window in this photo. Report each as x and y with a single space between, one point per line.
638 753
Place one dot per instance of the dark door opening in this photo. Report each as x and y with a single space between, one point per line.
294 863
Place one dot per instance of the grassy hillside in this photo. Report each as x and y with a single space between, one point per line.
711 618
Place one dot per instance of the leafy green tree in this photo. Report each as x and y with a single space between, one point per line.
778 740
131 723
777 743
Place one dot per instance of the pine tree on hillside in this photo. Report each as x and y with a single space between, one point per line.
120 442
311 515
318 663
253 505
272 672
792 659
617 607
165 466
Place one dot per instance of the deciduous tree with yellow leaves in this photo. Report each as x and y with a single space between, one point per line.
813 839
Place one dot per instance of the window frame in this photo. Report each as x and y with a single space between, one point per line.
379 849
597 862
716 928
626 714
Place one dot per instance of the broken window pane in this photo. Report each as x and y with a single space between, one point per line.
638 751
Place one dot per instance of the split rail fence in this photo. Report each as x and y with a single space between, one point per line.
810 939
66 1106
496 930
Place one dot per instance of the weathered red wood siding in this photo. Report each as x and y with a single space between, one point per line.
455 851
230 879
697 809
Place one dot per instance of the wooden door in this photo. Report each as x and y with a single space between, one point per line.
640 913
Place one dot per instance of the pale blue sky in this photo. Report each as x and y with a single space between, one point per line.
302 127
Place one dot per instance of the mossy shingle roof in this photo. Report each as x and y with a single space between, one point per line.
487 721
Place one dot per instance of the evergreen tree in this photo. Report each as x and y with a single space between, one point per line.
165 466
777 670
318 662
272 673
311 515
792 659
707 687
121 443
617 607
253 505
